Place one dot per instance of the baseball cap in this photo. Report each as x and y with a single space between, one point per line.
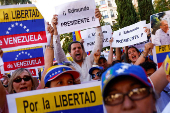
55 71
124 69
93 68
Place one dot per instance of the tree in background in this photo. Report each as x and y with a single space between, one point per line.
161 5
126 13
146 9
10 2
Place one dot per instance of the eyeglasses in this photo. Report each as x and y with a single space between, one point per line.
134 94
93 75
18 80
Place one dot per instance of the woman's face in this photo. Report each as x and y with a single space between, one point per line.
63 80
22 82
133 55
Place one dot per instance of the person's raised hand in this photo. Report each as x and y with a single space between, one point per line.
81 41
50 29
98 14
149 46
54 22
111 41
96 56
147 30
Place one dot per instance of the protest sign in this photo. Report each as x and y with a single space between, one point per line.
83 98
42 7
90 34
34 72
76 15
159 54
160 32
130 35
21 26
23 58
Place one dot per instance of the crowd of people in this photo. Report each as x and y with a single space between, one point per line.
130 83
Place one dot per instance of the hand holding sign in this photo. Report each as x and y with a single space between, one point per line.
98 14
50 29
96 56
54 22
111 41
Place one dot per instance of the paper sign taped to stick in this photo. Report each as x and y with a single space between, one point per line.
23 58
159 54
83 98
90 34
21 26
76 15
130 35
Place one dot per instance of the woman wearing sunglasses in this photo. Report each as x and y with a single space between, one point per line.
21 81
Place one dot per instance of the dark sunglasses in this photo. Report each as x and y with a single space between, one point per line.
98 74
26 78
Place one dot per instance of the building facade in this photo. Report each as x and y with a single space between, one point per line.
108 9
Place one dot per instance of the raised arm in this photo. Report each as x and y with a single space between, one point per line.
49 55
159 80
58 51
148 46
99 37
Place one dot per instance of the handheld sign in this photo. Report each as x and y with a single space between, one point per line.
130 35
23 58
83 98
90 34
21 26
76 15
159 54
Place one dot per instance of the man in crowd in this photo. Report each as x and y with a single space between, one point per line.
162 35
76 50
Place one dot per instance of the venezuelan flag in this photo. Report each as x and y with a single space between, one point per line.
76 36
23 58
21 25
161 53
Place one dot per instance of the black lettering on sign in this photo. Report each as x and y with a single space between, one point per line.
93 96
81 93
70 99
33 106
87 98
5 16
56 102
29 13
64 98
46 103
76 97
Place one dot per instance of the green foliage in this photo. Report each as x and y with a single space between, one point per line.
161 5
68 38
126 13
11 2
145 9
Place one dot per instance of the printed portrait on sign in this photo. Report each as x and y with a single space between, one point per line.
160 23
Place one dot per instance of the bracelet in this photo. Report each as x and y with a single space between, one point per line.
50 46
95 63
144 56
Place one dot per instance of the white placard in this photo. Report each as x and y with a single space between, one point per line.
42 7
76 15
130 35
90 34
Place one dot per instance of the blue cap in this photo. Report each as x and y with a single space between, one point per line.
55 71
93 68
124 69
